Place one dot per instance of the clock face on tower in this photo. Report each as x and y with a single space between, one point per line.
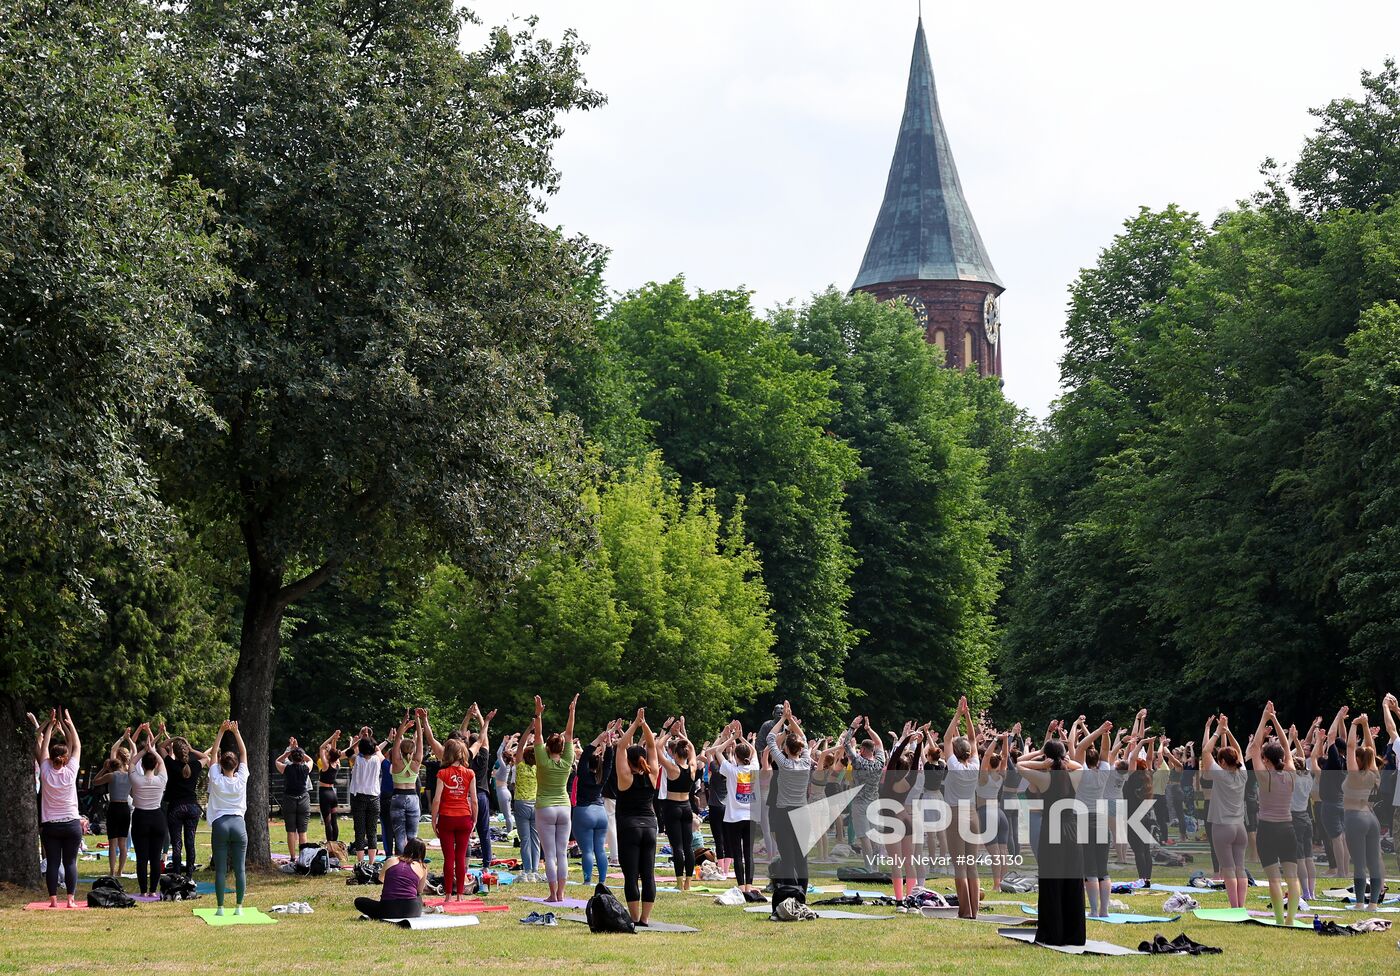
915 305
991 318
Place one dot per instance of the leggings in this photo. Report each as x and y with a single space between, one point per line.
364 810
789 849
680 832
529 836
389 907
455 833
1176 801
591 832
404 811
1228 841
62 838
503 804
230 837
327 801
738 842
148 835
1363 832
182 821
636 843
715 818
553 824
483 827
386 823
1142 847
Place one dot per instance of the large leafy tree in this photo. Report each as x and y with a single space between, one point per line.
103 253
668 610
920 521
734 407
377 372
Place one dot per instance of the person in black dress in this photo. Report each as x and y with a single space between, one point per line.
1060 918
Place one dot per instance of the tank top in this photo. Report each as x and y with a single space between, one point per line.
1275 796
636 800
119 790
1356 789
406 779
327 776
400 882
678 790
182 778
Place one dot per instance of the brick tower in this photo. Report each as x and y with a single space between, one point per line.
925 250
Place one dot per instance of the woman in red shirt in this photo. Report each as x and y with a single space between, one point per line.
454 812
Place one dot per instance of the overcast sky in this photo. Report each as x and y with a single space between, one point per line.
747 143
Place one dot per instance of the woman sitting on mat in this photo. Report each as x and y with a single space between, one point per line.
60 826
404 876
295 766
116 775
327 798
1221 765
454 813
1278 848
228 805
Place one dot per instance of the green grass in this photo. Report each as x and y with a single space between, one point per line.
163 938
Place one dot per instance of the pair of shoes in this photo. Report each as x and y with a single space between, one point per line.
293 908
535 918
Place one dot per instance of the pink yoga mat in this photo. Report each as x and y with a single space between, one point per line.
43 906
464 907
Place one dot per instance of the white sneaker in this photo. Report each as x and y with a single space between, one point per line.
1303 905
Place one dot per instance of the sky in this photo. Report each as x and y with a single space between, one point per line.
746 144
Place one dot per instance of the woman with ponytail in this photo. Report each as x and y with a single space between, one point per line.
637 767
1278 848
228 805
1060 908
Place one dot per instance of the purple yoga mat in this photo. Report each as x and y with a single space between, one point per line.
566 903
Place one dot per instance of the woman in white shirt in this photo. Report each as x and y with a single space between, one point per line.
228 803
149 831
960 789
740 771
59 827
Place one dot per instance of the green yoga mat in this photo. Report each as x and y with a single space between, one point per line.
250 916
1242 915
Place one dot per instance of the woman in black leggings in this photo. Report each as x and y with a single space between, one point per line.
677 756
60 826
327 799
740 770
636 821
149 832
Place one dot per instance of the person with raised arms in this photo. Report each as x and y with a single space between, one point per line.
590 817
1278 847
1088 750
526 790
327 798
295 766
405 810
184 765
364 792
1222 764
867 767
737 764
1363 829
116 776
679 762
1060 892
60 825
454 811
149 831
897 785
228 806
960 791
791 757
1330 807
637 768
554 761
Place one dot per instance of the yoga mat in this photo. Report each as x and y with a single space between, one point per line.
1091 947
250 916
952 913
502 877
1179 889
427 921
472 906
651 926
1115 918
43 906
1344 894
1242 915
574 903
853 893
823 913
146 897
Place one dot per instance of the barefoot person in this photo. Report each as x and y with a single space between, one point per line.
228 805
327 798
1363 829
116 776
1278 847
454 813
1222 765
554 760
404 877
405 763
295 766
149 831
960 790
60 827
637 769
680 764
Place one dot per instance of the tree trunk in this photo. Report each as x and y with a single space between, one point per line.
251 701
19 827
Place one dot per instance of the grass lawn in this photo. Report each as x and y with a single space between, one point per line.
165 938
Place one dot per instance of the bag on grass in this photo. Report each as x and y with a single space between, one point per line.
177 887
109 897
313 861
606 914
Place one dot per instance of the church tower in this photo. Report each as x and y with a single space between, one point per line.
925 250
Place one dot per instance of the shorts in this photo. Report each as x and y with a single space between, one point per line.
1334 821
118 819
1096 850
296 811
1276 843
1302 835
1251 817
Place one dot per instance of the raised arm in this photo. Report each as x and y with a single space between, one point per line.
1256 744
238 741
624 768
75 745
281 761
1351 744
43 735
425 731
539 722
569 728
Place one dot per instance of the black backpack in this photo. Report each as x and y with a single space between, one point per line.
606 914
312 861
782 892
108 893
177 887
364 875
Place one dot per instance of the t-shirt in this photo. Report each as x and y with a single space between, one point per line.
1333 765
294 777
552 776
525 782
740 782
960 785
147 789
181 780
227 794
458 785
58 791
119 790
1302 791
590 787
1093 783
364 776
1227 788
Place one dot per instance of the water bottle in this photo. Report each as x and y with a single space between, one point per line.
1317 924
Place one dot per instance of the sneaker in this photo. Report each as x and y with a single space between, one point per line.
548 919
532 919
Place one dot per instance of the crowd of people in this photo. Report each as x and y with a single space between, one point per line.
972 796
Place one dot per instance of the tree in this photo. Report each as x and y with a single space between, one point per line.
920 521
377 371
1353 161
103 254
669 611
734 407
